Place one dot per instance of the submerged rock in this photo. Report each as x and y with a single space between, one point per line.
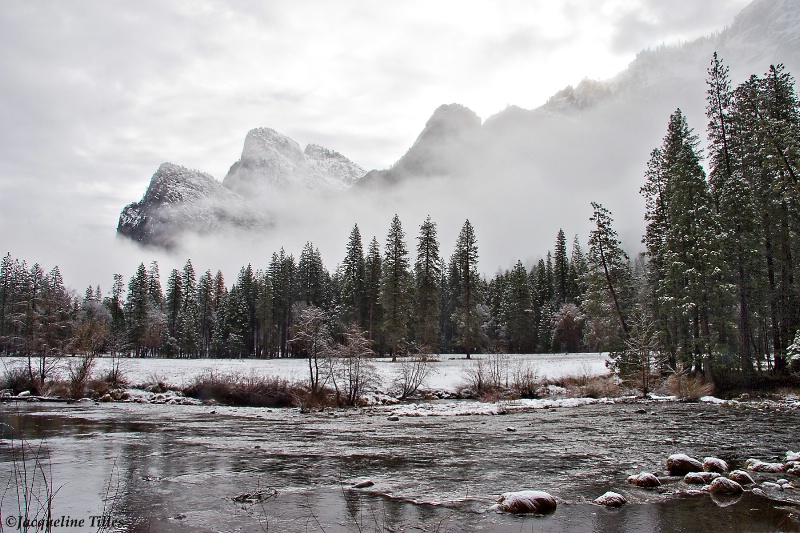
714 464
256 496
644 480
725 487
611 499
741 477
680 464
526 501
700 478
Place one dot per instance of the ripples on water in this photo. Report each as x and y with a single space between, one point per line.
177 468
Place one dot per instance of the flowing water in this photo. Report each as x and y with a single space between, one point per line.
165 468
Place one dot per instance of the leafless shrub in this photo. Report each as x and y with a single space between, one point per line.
16 378
411 373
80 372
352 373
249 391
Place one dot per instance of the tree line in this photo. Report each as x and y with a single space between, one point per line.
714 292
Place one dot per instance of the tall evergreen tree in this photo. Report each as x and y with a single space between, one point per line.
396 284
373 273
609 279
466 287
560 269
427 277
353 297
137 311
517 312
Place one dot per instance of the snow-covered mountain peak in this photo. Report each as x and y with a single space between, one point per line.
341 171
174 183
448 121
273 163
266 144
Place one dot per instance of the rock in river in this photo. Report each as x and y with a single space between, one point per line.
526 501
679 464
714 464
645 480
741 477
725 487
611 499
700 478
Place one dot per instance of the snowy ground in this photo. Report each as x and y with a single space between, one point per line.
448 374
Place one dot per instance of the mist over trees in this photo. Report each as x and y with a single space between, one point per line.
714 293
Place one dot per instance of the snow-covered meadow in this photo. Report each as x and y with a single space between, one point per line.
449 370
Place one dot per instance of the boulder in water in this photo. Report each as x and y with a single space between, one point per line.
680 464
611 499
741 477
725 487
700 478
526 501
644 480
714 464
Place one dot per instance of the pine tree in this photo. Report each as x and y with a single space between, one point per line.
517 312
427 276
136 311
577 273
373 271
608 278
189 315
311 277
282 273
466 288
560 269
396 284
353 297
173 303
682 240
205 310
735 210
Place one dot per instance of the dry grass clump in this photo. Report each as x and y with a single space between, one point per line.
245 391
687 388
585 386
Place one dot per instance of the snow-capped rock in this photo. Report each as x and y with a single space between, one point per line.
645 480
611 499
714 464
273 163
526 501
179 200
680 464
741 477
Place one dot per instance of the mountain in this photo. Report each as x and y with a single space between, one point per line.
272 167
179 200
449 133
273 163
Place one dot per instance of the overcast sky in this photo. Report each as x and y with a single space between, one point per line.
94 95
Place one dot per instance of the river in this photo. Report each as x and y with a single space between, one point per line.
177 468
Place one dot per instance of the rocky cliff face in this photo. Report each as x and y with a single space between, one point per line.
180 200
451 131
273 163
